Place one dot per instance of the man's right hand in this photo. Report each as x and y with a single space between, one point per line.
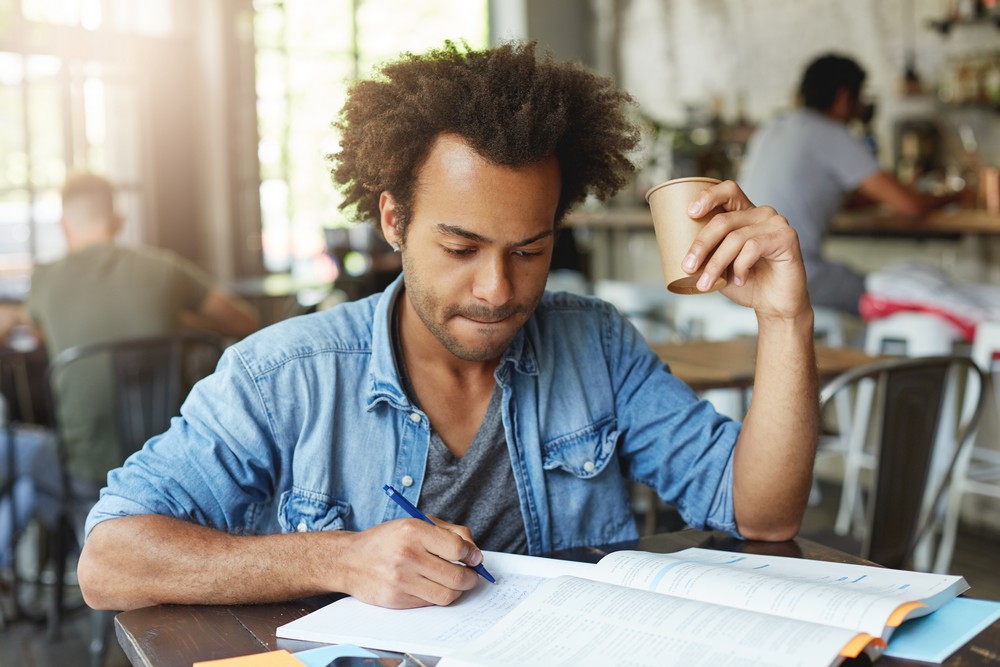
409 563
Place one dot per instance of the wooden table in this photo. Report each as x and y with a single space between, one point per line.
730 364
177 635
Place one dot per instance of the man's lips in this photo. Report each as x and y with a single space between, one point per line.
479 321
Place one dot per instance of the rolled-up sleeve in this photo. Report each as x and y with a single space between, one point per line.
213 466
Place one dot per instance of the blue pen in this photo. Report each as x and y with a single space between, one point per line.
417 514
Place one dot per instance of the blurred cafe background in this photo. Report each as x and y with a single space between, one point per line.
212 118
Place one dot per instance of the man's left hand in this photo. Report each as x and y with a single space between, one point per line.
756 250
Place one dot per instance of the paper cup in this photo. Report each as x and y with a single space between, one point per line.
676 231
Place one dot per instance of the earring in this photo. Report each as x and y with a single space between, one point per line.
395 247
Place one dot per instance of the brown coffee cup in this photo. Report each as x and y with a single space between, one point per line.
676 231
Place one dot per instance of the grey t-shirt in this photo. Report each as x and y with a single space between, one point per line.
476 490
483 476
803 164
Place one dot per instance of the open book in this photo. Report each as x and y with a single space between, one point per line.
692 607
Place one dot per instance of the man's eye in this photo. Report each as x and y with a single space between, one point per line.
527 253
461 252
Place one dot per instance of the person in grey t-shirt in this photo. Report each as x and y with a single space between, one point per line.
804 164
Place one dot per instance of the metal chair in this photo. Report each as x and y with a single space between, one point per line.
977 471
909 334
910 399
22 378
150 378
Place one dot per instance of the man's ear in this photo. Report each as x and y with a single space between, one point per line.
388 218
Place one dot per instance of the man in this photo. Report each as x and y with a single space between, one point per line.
516 418
102 291
806 162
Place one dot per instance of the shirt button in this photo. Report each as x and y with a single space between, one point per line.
415 417
407 481
589 466
302 526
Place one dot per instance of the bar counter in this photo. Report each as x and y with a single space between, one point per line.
860 222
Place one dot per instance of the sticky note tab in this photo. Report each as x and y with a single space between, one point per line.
280 658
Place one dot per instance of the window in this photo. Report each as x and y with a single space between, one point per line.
69 98
308 53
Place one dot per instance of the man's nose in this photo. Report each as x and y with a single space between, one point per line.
493 281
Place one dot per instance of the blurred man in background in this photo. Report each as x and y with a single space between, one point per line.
101 292
806 162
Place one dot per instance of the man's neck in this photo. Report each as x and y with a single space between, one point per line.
81 241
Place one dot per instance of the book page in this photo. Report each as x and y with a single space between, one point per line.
858 597
572 621
432 630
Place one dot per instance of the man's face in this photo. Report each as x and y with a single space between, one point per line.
477 248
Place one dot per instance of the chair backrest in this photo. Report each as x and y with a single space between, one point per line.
22 383
909 481
150 378
985 351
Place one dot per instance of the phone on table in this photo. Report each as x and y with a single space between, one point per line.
355 661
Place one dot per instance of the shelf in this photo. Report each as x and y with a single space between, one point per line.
944 26
973 106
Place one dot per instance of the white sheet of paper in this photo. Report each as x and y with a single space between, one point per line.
432 630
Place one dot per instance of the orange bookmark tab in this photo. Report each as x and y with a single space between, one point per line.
269 659
902 613
860 642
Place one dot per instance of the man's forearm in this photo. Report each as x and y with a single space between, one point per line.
144 560
775 453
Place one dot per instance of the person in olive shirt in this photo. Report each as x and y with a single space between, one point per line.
102 291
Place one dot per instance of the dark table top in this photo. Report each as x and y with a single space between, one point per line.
178 635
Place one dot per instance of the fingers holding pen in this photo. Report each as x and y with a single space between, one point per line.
410 563
443 549
471 555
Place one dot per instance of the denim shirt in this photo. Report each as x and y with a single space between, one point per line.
303 422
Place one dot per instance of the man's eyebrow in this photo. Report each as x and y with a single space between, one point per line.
455 230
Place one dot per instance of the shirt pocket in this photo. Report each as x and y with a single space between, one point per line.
584 453
306 512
